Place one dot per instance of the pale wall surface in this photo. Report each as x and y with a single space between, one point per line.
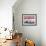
6 13
28 7
38 33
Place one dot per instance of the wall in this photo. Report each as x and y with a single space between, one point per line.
6 13
43 22
28 7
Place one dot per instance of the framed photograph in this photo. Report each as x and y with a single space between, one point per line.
29 19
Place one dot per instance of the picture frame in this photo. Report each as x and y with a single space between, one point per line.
29 19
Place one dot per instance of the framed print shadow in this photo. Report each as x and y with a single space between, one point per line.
29 19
